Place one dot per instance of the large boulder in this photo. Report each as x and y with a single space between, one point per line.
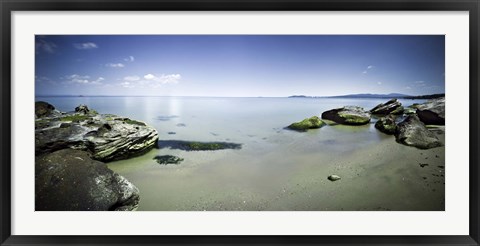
107 137
43 109
68 180
348 115
386 124
308 123
413 132
386 108
432 112
82 109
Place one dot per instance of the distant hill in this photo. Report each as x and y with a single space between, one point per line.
298 96
368 95
425 96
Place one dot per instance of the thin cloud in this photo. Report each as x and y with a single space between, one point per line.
115 65
164 78
127 84
129 59
379 83
131 78
82 80
149 76
369 67
85 46
150 80
419 83
43 80
45 46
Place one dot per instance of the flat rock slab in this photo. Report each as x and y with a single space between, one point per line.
107 137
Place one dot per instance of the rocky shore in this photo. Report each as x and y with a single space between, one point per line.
70 150
407 124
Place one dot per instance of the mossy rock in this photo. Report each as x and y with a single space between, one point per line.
398 111
351 119
348 115
386 125
309 123
167 159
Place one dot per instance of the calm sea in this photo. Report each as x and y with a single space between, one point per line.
246 179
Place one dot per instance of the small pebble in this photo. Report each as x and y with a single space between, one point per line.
333 177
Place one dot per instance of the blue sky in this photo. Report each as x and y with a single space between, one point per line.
239 65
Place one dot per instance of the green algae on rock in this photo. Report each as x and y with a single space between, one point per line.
348 115
196 145
386 125
308 123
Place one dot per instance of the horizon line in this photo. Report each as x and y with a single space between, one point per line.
297 95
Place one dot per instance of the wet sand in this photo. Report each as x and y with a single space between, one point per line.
287 171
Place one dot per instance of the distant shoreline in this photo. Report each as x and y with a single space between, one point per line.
360 96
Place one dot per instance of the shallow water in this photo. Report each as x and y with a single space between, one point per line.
276 169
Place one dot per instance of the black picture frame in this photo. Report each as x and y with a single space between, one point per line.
7 6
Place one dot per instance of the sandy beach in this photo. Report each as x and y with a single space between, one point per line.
288 171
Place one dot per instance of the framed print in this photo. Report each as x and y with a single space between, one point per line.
267 122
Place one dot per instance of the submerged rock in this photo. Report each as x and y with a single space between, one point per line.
432 112
386 124
69 180
386 108
167 159
309 123
107 137
334 177
197 146
348 115
413 132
